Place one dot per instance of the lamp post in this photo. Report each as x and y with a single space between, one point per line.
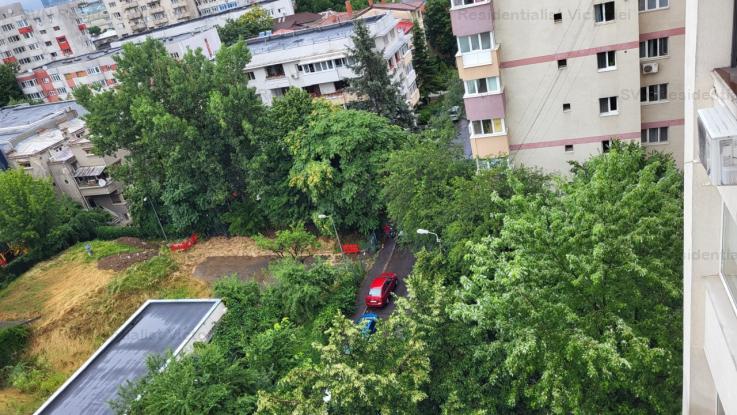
157 217
437 238
323 216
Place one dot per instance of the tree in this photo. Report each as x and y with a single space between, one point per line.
94 30
377 92
294 242
9 89
317 6
29 210
188 125
338 156
355 374
425 66
439 31
246 26
577 305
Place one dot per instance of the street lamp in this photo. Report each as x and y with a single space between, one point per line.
323 216
437 238
145 199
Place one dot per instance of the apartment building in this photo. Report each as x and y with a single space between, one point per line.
93 13
135 16
710 209
33 38
50 141
316 60
57 80
555 81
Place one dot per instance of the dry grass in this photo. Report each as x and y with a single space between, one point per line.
13 401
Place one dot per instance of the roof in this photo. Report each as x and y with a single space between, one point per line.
38 142
403 5
304 37
405 26
75 124
157 326
92 171
79 58
18 119
297 20
718 122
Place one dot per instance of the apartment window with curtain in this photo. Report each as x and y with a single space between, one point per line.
654 93
488 127
604 12
654 48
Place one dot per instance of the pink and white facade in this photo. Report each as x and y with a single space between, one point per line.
555 81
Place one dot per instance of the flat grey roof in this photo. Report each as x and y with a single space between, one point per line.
158 326
17 119
305 36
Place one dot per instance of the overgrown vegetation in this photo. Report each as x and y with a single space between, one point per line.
12 342
248 25
294 242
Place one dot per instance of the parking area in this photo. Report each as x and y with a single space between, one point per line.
391 258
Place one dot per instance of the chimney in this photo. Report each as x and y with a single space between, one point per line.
371 3
349 8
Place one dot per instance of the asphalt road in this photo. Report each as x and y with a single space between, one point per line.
393 259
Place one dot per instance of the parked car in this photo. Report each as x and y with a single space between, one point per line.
380 289
367 323
455 113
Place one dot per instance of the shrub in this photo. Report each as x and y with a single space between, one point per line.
35 377
12 342
295 242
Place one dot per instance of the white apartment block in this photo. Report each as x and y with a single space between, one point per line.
50 141
275 8
93 13
550 81
33 38
132 17
710 209
57 80
315 60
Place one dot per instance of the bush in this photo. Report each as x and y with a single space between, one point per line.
19 265
12 342
143 276
295 242
35 377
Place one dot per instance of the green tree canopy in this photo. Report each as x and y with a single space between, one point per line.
439 31
246 26
338 156
188 125
9 88
376 90
425 65
577 303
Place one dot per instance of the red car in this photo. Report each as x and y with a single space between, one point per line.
381 287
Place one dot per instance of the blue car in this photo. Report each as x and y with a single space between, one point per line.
367 322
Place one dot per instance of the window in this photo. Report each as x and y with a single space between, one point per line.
569 148
55 77
483 86
481 41
458 3
33 46
646 5
57 28
486 127
7 27
174 55
37 19
61 90
340 62
39 58
566 107
251 76
654 135
606 145
562 63
29 83
19 49
53 54
604 12
93 70
654 48
14 38
608 106
274 71
606 60
42 31
558 18
24 61
47 43
22 23
316 66
27 35
654 93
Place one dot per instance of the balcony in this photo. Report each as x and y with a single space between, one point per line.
489 146
469 19
93 181
484 106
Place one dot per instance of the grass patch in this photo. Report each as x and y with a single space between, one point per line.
143 276
100 249
35 376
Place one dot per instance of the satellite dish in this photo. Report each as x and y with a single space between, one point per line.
102 182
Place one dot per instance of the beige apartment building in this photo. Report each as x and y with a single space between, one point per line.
135 16
710 209
550 81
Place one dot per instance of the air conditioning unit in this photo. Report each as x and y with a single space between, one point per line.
649 68
717 132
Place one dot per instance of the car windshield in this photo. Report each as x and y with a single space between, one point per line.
375 292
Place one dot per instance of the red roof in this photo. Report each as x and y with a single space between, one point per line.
405 26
